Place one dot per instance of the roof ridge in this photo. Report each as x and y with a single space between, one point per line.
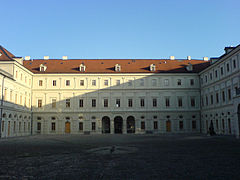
6 54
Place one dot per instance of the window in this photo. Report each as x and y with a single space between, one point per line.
216 74
117 102
117 68
93 102
206 78
93 126
5 94
234 63
229 94
130 83
210 76
154 82
16 74
181 125
179 82
67 82
54 103
40 82
228 68
94 83
142 102
80 102
54 82
217 124
154 102
217 98
39 126
105 102
82 67
191 82
155 125
152 67
194 125
21 77
105 82
141 82
223 124
130 102
221 70
117 82
211 99
80 126
206 100
142 125
67 103
167 102
180 102
53 126
223 96
82 82
39 103
21 99
166 82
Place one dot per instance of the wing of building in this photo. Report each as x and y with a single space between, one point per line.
94 96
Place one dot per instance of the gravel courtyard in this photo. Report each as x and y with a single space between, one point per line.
120 157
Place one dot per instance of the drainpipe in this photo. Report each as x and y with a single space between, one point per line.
2 107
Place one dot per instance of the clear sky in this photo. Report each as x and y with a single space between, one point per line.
119 28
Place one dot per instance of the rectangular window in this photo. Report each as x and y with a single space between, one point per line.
142 102
39 103
206 78
54 82
16 100
142 125
80 126
228 68
191 82
40 82
179 82
94 83
105 82
105 102
154 102
229 94
211 99
93 126
94 103
39 126
141 82
217 98
67 103
234 63
221 70
155 125
194 125
223 96
154 82
10 96
167 102
118 82
5 94
117 102
81 82
181 125
53 126
210 76
67 82
54 103
216 74
179 102
166 82
206 100
21 99
80 102
130 102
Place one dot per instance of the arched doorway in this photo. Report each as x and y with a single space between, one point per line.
168 126
105 124
130 124
67 127
118 125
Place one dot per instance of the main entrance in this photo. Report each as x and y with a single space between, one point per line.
130 124
105 124
67 127
118 125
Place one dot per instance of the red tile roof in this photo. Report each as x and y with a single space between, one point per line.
5 55
107 65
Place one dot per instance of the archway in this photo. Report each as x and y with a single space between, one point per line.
67 127
168 126
130 124
118 125
105 124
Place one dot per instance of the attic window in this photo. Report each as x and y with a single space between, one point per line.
189 67
152 67
42 67
117 68
82 68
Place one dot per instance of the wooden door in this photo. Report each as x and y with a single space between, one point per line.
168 126
67 127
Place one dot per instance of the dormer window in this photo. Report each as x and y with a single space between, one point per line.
189 67
152 67
43 68
117 68
82 68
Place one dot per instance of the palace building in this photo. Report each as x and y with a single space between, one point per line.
95 96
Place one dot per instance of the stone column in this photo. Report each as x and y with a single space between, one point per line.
112 126
124 130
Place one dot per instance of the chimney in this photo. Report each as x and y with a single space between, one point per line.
46 57
228 49
64 57
205 58
172 57
27 58
188 57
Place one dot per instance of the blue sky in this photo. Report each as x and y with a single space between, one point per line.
119 28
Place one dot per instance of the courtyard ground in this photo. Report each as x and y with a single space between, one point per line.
120 157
